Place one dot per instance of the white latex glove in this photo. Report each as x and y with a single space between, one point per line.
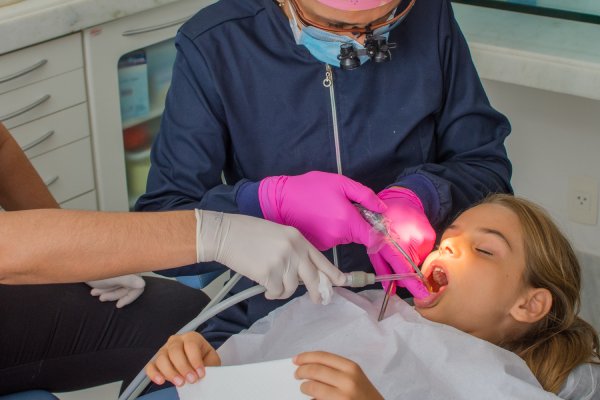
122 289
275 256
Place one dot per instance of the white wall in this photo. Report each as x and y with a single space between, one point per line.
554 137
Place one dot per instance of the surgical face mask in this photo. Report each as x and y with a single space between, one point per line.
323 45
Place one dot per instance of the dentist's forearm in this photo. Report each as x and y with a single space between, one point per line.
52 246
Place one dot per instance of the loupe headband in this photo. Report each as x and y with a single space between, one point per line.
356 30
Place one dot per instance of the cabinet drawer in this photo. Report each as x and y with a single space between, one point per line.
84 202
40 62
68 170
56 130
42 98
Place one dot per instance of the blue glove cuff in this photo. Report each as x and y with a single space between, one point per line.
247 199
425 191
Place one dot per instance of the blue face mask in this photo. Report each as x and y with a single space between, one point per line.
323 45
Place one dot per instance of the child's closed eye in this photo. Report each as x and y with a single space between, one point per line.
484 251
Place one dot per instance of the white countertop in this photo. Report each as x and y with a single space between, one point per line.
545 53
34 21
529 50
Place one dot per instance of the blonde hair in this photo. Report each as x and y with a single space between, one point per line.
561 341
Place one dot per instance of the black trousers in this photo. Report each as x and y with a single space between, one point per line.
60 338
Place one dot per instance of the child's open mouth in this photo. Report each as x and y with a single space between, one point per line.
437 278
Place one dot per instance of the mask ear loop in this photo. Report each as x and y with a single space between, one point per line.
297 21
294 22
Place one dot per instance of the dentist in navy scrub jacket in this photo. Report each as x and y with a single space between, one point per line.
310 106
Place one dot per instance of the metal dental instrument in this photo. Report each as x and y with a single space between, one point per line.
377 221
391 289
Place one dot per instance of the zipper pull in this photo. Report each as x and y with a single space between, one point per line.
328 76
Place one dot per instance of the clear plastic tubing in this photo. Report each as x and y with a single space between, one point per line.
358 279
396 277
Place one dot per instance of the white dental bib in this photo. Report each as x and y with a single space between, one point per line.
405 355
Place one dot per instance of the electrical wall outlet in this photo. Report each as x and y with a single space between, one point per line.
582 200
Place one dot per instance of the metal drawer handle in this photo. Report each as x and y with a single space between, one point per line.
25 109
50 181
24 71
138 31
38 140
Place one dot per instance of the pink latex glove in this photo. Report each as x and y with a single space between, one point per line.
409 226
320 206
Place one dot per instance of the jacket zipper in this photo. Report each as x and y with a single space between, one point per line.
328 83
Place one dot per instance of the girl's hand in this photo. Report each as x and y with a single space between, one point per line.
333 377
182 359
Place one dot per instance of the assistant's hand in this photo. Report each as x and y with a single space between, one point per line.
411 229
122 289
275 256
182 359
320 205
332 377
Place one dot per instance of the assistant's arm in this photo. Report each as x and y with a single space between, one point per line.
471 159
45 246
21 187
49 246
73 246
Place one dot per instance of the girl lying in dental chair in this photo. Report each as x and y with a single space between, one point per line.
503 273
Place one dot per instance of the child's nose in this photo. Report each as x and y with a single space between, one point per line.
448 247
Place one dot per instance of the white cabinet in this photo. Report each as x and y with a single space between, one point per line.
60 100
42 98
104 46
40 62
43 102
67 171
53 131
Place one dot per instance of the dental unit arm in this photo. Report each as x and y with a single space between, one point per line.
355 279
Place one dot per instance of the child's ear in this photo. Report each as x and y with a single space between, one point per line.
532 306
